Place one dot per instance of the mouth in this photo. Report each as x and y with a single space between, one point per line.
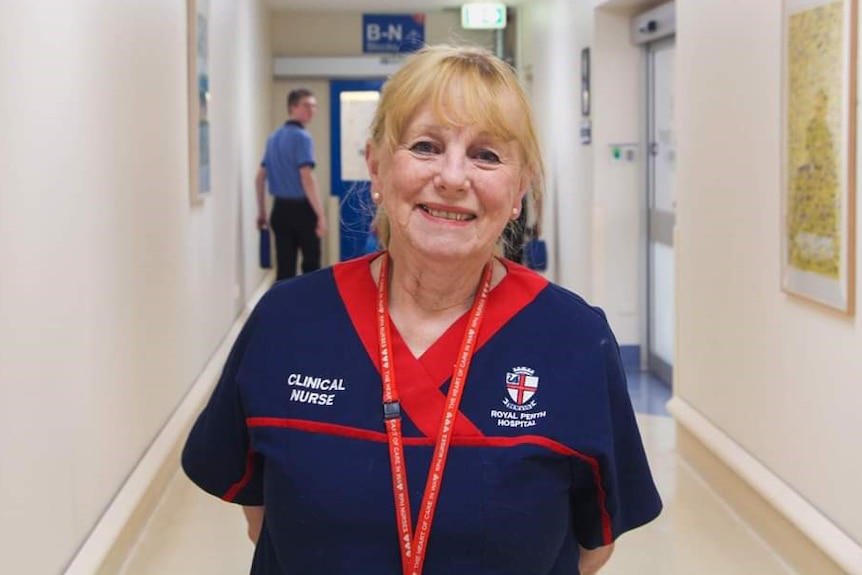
447 215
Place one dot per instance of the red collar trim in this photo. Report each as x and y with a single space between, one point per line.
421 398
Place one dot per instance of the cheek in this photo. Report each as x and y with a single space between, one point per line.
405 180
500 195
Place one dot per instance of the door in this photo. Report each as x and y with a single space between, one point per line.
661 204
353 104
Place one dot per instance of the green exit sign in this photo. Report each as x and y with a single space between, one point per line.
483 16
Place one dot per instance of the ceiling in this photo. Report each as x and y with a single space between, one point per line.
394 6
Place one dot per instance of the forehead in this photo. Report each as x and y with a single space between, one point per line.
497 119
426 121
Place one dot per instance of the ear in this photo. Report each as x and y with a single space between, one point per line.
523 187
372 162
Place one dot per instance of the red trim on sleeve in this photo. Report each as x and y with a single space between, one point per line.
239 485
457 441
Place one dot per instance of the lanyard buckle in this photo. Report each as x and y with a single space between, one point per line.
391 410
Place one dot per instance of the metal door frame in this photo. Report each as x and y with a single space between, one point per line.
656 365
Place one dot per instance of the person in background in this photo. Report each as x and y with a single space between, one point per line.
297 218
452 411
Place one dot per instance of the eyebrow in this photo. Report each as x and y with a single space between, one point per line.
440 127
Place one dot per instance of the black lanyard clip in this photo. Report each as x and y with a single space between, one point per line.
391 410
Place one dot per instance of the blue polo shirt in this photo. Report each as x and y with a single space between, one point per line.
287 150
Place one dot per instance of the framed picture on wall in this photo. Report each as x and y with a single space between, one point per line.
199 96
819 151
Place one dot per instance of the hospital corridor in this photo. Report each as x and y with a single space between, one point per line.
700 163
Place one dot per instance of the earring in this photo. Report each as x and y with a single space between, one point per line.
515 213
375 197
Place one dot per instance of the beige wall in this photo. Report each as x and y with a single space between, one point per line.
114 291
780 377
340 33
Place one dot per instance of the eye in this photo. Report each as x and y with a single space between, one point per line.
424 147
487 156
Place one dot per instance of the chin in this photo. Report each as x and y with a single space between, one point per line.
451 250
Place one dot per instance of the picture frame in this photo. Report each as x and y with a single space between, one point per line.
199 98
818 151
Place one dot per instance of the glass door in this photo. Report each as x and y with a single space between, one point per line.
661 204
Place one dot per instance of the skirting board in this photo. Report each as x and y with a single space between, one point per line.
109 544
785 520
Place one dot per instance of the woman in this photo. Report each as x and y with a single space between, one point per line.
437 410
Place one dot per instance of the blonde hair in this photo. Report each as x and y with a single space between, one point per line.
489 96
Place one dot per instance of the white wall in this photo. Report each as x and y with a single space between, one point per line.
553 32
780 377
254 83
593 208
619 187
114 291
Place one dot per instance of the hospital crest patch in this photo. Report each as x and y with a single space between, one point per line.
521 384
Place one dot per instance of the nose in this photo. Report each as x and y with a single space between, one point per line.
453 171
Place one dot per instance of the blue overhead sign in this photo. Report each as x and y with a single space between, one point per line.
392 33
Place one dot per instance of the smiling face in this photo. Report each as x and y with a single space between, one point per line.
452 150
448 190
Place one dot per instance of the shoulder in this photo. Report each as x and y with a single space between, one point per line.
574 315
572 304
564 315
275 135
312 293
302 135
303 295
556 304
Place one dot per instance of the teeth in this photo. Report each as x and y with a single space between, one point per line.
458 217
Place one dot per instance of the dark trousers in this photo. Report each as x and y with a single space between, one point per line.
293 223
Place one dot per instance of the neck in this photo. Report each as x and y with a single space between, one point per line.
425 299
433 287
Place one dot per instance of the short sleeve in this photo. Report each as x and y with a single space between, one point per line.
265 159
305 151
624 495
217 455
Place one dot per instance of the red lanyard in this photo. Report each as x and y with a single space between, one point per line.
412 558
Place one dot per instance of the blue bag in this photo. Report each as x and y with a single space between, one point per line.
265 257
536 255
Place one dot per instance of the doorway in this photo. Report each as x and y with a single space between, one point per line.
353 104
661 207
